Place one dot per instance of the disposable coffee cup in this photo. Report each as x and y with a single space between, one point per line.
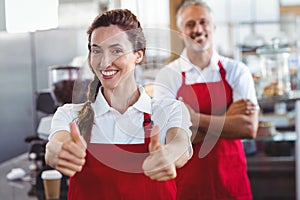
51 180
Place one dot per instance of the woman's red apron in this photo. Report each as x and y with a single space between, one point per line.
222 173
102 178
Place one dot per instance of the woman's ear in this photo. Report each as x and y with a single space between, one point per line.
139 56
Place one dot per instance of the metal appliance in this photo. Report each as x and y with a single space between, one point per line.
62 81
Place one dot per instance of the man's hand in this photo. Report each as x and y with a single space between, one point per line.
242 106
67 156
158 166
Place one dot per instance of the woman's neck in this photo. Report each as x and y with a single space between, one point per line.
121 97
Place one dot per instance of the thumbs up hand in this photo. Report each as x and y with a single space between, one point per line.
158 166
66 151
154 144
75 134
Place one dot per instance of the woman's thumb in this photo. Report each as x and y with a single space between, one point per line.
154 144
75 133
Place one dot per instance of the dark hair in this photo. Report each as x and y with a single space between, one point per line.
126 21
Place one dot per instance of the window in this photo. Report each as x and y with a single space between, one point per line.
154 18
30 15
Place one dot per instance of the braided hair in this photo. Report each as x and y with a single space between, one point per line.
126 21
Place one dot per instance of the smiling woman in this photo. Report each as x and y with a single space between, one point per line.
115 153
113 61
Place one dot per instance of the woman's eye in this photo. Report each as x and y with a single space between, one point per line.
117 51
96 51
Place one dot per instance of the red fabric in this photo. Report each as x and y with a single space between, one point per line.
114 172
221 174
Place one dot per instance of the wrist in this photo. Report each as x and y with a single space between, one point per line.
195 119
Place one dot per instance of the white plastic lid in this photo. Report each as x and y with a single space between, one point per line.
51 174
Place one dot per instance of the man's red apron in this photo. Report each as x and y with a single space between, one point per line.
102 179
222 173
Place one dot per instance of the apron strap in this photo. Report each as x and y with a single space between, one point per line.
147 124
222 71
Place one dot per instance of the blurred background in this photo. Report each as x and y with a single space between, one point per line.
43 51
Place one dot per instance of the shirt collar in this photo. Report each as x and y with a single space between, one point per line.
100 106
186 65
143 104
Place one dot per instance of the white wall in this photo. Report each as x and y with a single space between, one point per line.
2 15
24 62
16 99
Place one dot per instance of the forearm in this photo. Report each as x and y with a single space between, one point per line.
178 144
197 135
231 127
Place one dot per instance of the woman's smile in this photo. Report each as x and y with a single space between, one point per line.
108 74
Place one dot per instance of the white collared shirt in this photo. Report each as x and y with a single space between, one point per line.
112 127
169 78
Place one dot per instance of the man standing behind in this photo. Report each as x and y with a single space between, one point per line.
220 95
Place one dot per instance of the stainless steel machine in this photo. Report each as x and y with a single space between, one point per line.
63 81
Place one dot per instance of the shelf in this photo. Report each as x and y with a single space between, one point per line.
291 97
289 136
262 163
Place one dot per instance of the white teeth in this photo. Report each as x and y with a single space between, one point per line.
109 73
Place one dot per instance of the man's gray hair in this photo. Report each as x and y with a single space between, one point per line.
187 3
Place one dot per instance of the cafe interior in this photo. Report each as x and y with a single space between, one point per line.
43 60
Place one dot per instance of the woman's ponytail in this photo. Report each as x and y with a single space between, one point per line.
86 114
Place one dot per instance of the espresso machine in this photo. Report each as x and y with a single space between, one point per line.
62 82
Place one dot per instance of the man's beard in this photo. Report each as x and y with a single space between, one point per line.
194 45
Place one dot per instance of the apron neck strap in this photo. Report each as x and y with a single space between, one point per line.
147 124
222 70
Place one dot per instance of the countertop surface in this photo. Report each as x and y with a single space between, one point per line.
18 189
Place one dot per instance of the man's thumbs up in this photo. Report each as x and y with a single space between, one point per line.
154 144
